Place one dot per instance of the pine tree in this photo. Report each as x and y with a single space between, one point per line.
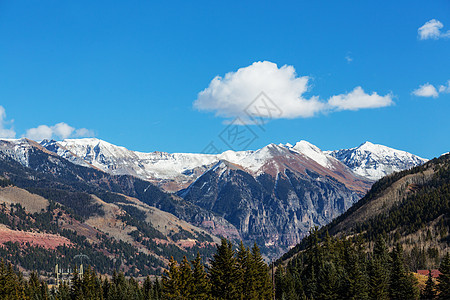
245 273
223 272
356 272
429 293
200 284
285 285
63 292
147 288
379 270
444 278
378 280
107 287
43 291
401 284
76 288
185 279
9 283
262 278
171 281
133 290
157 290
32 285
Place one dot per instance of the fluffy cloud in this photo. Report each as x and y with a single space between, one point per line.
58 131
6 133
432 30
358 99
426 90
232 96
429 90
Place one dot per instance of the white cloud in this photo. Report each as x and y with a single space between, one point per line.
63 130
231 96
426 90
7 133
432 30
42 132
83 132
358 99
348 58
445 88
429 90
58 131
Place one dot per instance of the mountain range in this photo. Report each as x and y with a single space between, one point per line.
271 196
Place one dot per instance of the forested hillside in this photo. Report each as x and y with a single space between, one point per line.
83 212
369 252
232 274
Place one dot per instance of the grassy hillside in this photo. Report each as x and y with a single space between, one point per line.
56 201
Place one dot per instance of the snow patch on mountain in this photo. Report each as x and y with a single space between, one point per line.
313 152
375 161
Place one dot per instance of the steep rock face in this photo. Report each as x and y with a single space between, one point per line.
276 204
374 161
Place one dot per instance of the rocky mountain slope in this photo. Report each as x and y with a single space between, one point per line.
275 203
112 219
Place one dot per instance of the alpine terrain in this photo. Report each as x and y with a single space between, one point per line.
271 196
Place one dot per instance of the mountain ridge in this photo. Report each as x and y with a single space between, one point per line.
176 171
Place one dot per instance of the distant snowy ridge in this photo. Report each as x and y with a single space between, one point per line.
374 161
174 171
166 166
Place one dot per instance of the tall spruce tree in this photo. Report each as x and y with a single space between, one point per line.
379 271
263 281
429 292
185 279
157 290
76 287
200 283
246 273
147 288
10 287
402 283
171 281
223 272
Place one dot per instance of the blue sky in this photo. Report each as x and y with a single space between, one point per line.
130 73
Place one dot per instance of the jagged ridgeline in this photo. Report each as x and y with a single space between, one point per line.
368 252
53 210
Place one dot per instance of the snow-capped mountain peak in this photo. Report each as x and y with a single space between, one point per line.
374 161
312 152
173 171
